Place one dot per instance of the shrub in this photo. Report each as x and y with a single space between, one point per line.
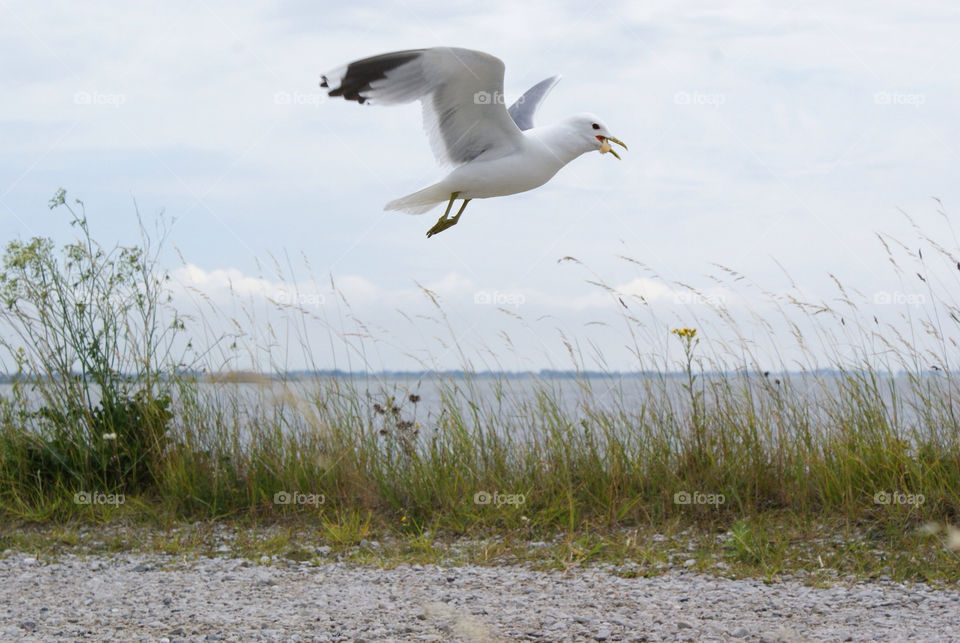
85 330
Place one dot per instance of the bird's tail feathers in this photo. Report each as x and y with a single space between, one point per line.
420 201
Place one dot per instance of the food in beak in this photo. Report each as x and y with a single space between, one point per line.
605 146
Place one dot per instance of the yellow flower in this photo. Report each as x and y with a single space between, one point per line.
684 333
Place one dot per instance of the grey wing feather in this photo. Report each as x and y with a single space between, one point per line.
458 88
523 110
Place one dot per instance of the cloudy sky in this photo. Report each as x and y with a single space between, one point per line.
773 139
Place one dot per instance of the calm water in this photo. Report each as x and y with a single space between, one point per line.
518 398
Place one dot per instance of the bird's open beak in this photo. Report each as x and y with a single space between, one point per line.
605 145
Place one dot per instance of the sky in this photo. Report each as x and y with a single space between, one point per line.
769 145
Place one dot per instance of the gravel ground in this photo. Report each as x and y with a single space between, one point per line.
152 597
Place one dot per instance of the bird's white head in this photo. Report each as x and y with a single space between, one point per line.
594 133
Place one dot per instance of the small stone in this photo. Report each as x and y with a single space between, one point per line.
264 581
602 635
683 625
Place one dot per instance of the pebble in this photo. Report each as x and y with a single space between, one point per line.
222 598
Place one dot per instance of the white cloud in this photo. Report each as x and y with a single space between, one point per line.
220 282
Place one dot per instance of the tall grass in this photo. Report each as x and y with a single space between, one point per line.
101 401
91 375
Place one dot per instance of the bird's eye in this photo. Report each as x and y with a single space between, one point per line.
595 126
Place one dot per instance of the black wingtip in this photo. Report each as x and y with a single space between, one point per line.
360 74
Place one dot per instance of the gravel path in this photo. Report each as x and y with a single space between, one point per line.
151 597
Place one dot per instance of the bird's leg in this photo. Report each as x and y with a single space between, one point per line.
443 222
462 208
449 205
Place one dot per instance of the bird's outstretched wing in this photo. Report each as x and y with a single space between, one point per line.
523 111
461 91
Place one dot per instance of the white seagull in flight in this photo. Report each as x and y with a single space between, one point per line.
495 151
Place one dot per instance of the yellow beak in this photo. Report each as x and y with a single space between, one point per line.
605 146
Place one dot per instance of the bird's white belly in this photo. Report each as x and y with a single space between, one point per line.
500 177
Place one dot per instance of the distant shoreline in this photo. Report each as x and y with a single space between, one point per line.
240 377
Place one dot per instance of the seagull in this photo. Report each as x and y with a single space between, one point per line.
494 151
